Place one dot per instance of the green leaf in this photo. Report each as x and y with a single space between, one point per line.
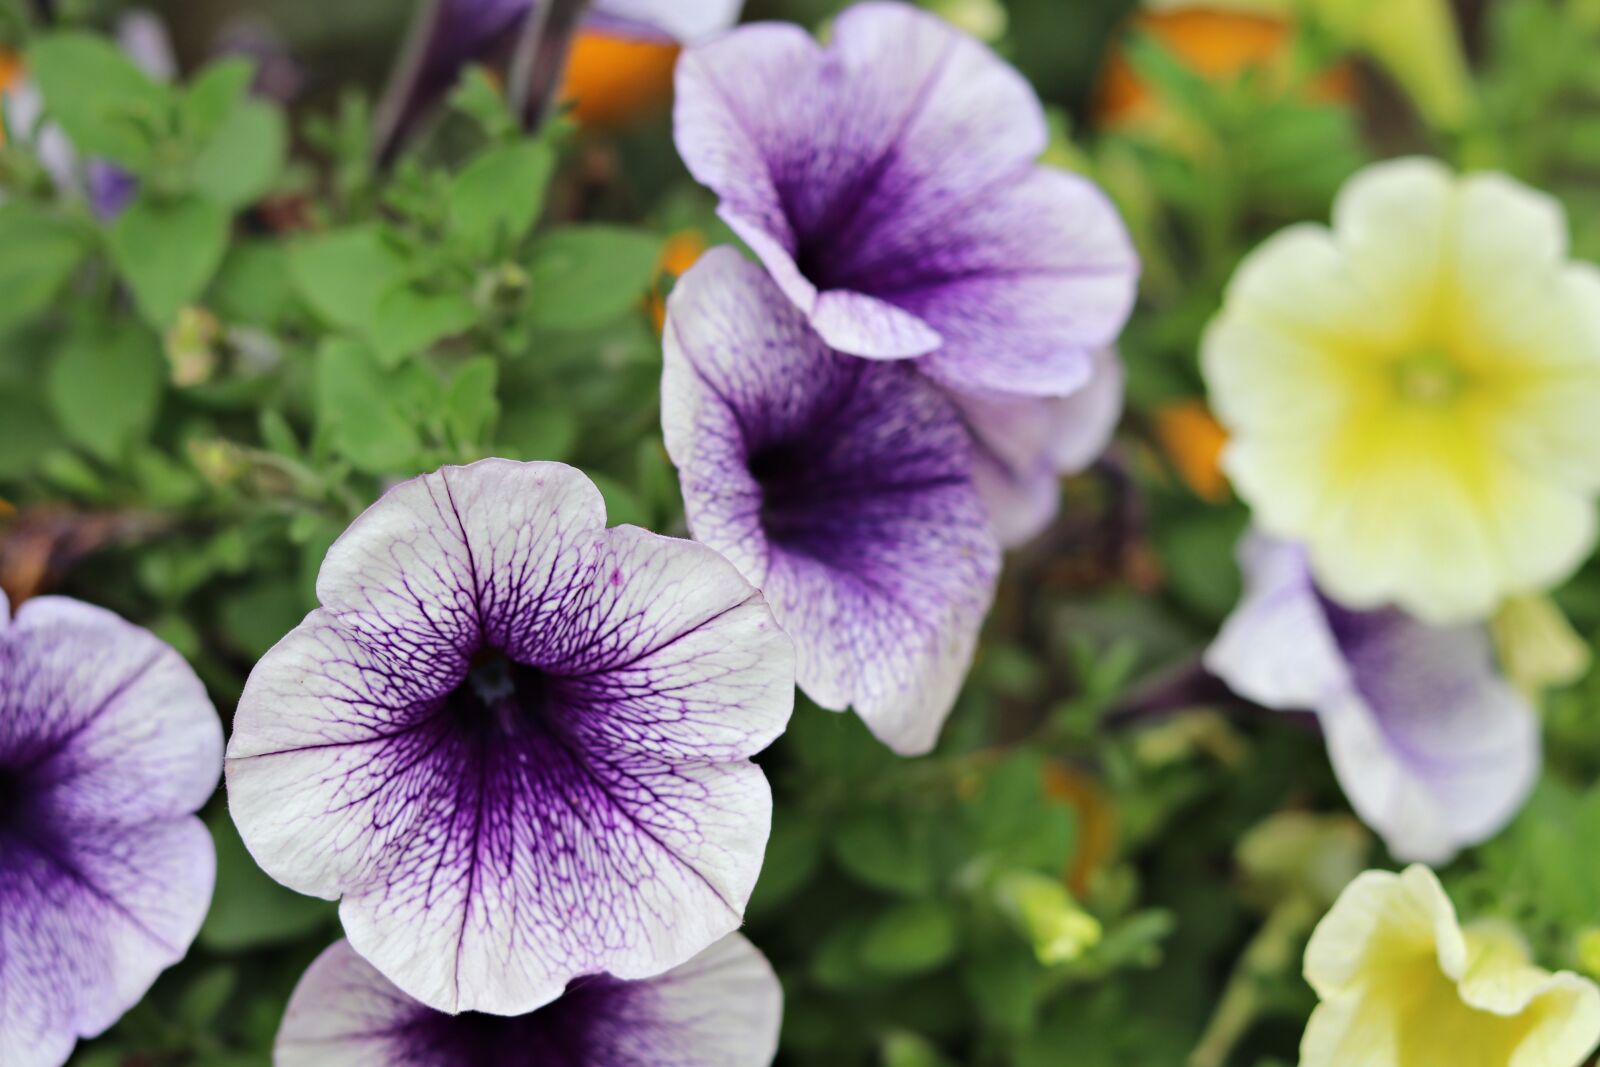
536 433
253 284
583 277
27 434
168 251
216 92
106 105
241 160
470 404
41 253
105 388
206 996
411 321
910 938
622 504
793 852
497 198
344 275
886 851
249 909
355 406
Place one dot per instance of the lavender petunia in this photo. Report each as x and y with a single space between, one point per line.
721 1009
108 746
889 184
1435 750
1024 446
842 487
515 742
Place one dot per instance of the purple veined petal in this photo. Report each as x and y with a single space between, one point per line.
841 487
720 1009
515 743
1024 446
108 745
888 183
1434 749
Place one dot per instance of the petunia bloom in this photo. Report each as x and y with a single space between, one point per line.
1435 750
108 746
1411 395
1403 985
841 487
515 742
889 184
720 1009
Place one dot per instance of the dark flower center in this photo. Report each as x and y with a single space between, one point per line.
574 1031
11 795
504 697
794 494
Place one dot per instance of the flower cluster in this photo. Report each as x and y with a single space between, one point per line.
1410 399
515 744
863 424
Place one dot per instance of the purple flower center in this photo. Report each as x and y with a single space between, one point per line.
570 1032
11 795
794 492
503 697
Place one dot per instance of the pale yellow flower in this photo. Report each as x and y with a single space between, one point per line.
1413 394
1403 985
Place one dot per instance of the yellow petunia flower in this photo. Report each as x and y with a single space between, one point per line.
1412 394
1403 985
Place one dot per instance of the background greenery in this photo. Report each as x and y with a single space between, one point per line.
197 397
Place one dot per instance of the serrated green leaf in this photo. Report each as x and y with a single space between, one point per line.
167 252
214 94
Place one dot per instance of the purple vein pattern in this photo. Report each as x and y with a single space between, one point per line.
889 184
515 742
721 1009
842 487
1435 750
108 745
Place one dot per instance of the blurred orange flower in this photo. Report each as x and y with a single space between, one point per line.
614 80
10 77
1193 441
1097 822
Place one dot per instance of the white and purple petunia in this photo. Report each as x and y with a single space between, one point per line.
1435 750
841 487
720 1009
889 183
515 742
108 746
